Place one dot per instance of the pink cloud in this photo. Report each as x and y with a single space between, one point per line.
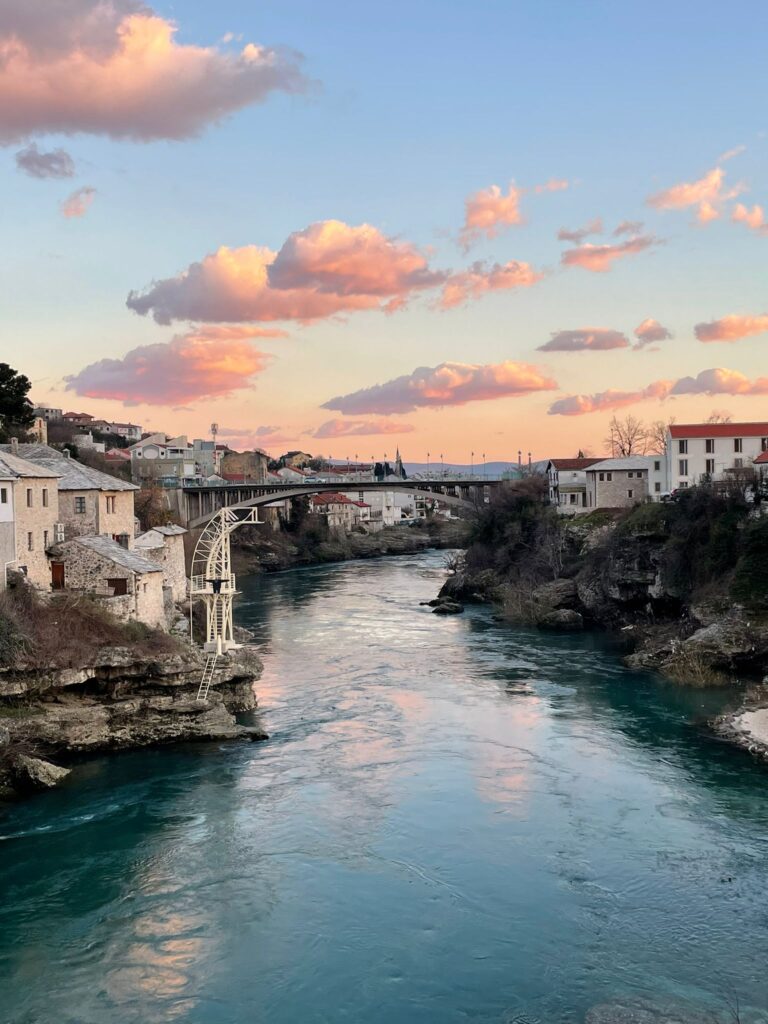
183 370
707 194
488 212
244 438
113 67
481 278
232 332
326 269
55 164
77 204
649 332
604 401
361 428
732 328
753 218
553 185
577 235
448 384
628 227
599 258
718 381
583 339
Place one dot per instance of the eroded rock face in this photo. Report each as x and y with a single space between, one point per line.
29 774
120 703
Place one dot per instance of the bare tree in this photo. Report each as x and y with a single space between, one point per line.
658 433
628 436
719 416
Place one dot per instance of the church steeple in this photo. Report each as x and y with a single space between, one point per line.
399 467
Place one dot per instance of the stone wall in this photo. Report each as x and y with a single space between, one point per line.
37 520
168 553
250 465
87 570
615 492
96 519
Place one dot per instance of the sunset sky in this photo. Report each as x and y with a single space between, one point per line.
344 226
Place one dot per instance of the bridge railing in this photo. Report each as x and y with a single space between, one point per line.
199 585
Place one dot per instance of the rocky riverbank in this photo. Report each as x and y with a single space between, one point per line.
259 549
118 702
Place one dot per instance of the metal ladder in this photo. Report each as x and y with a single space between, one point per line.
205 682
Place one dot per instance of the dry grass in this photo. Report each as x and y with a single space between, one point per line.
693 668
67 631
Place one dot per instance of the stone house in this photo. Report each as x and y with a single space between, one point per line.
130 585
164 545
567 480
244 466
618 483
34 512
90 502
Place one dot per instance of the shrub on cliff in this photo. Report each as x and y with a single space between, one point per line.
750 581
67 631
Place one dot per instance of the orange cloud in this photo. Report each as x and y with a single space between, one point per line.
185 369
326 269
113 67
443 385
707 194
732 328
753 218
361 428
599 258
489 211
595 339
232 332
480 278
77 204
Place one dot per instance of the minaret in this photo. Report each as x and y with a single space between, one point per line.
399 467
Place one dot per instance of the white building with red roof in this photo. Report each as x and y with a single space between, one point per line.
697 452
568 483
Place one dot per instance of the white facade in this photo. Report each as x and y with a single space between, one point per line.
7 528
697 452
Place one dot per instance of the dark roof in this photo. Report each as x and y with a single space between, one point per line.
574 463
108 548
74 475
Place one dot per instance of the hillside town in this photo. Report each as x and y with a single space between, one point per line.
70 510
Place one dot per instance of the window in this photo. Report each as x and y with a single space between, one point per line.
657 487
609 476
738 444
630 474
573 499
30 542
738 463
29 498
80 505
764 444
45 538
682 447
118 586
602 476
710 466
45 497
630 493
709 446
110 504
683 467
683 483
657 466
3 495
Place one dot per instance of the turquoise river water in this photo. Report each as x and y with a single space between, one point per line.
453 821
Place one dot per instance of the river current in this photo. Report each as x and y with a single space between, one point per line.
453 821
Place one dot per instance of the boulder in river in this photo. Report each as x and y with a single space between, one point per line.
31 773
448 607
564 619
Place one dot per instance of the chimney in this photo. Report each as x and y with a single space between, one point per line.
15 445
66 453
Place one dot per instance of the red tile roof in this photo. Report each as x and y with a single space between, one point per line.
762 458
574 463
718 430
331 499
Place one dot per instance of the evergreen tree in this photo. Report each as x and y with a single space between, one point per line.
16 412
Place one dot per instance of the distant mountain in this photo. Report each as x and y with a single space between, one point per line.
492 469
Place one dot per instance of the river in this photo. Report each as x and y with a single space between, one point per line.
454 821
